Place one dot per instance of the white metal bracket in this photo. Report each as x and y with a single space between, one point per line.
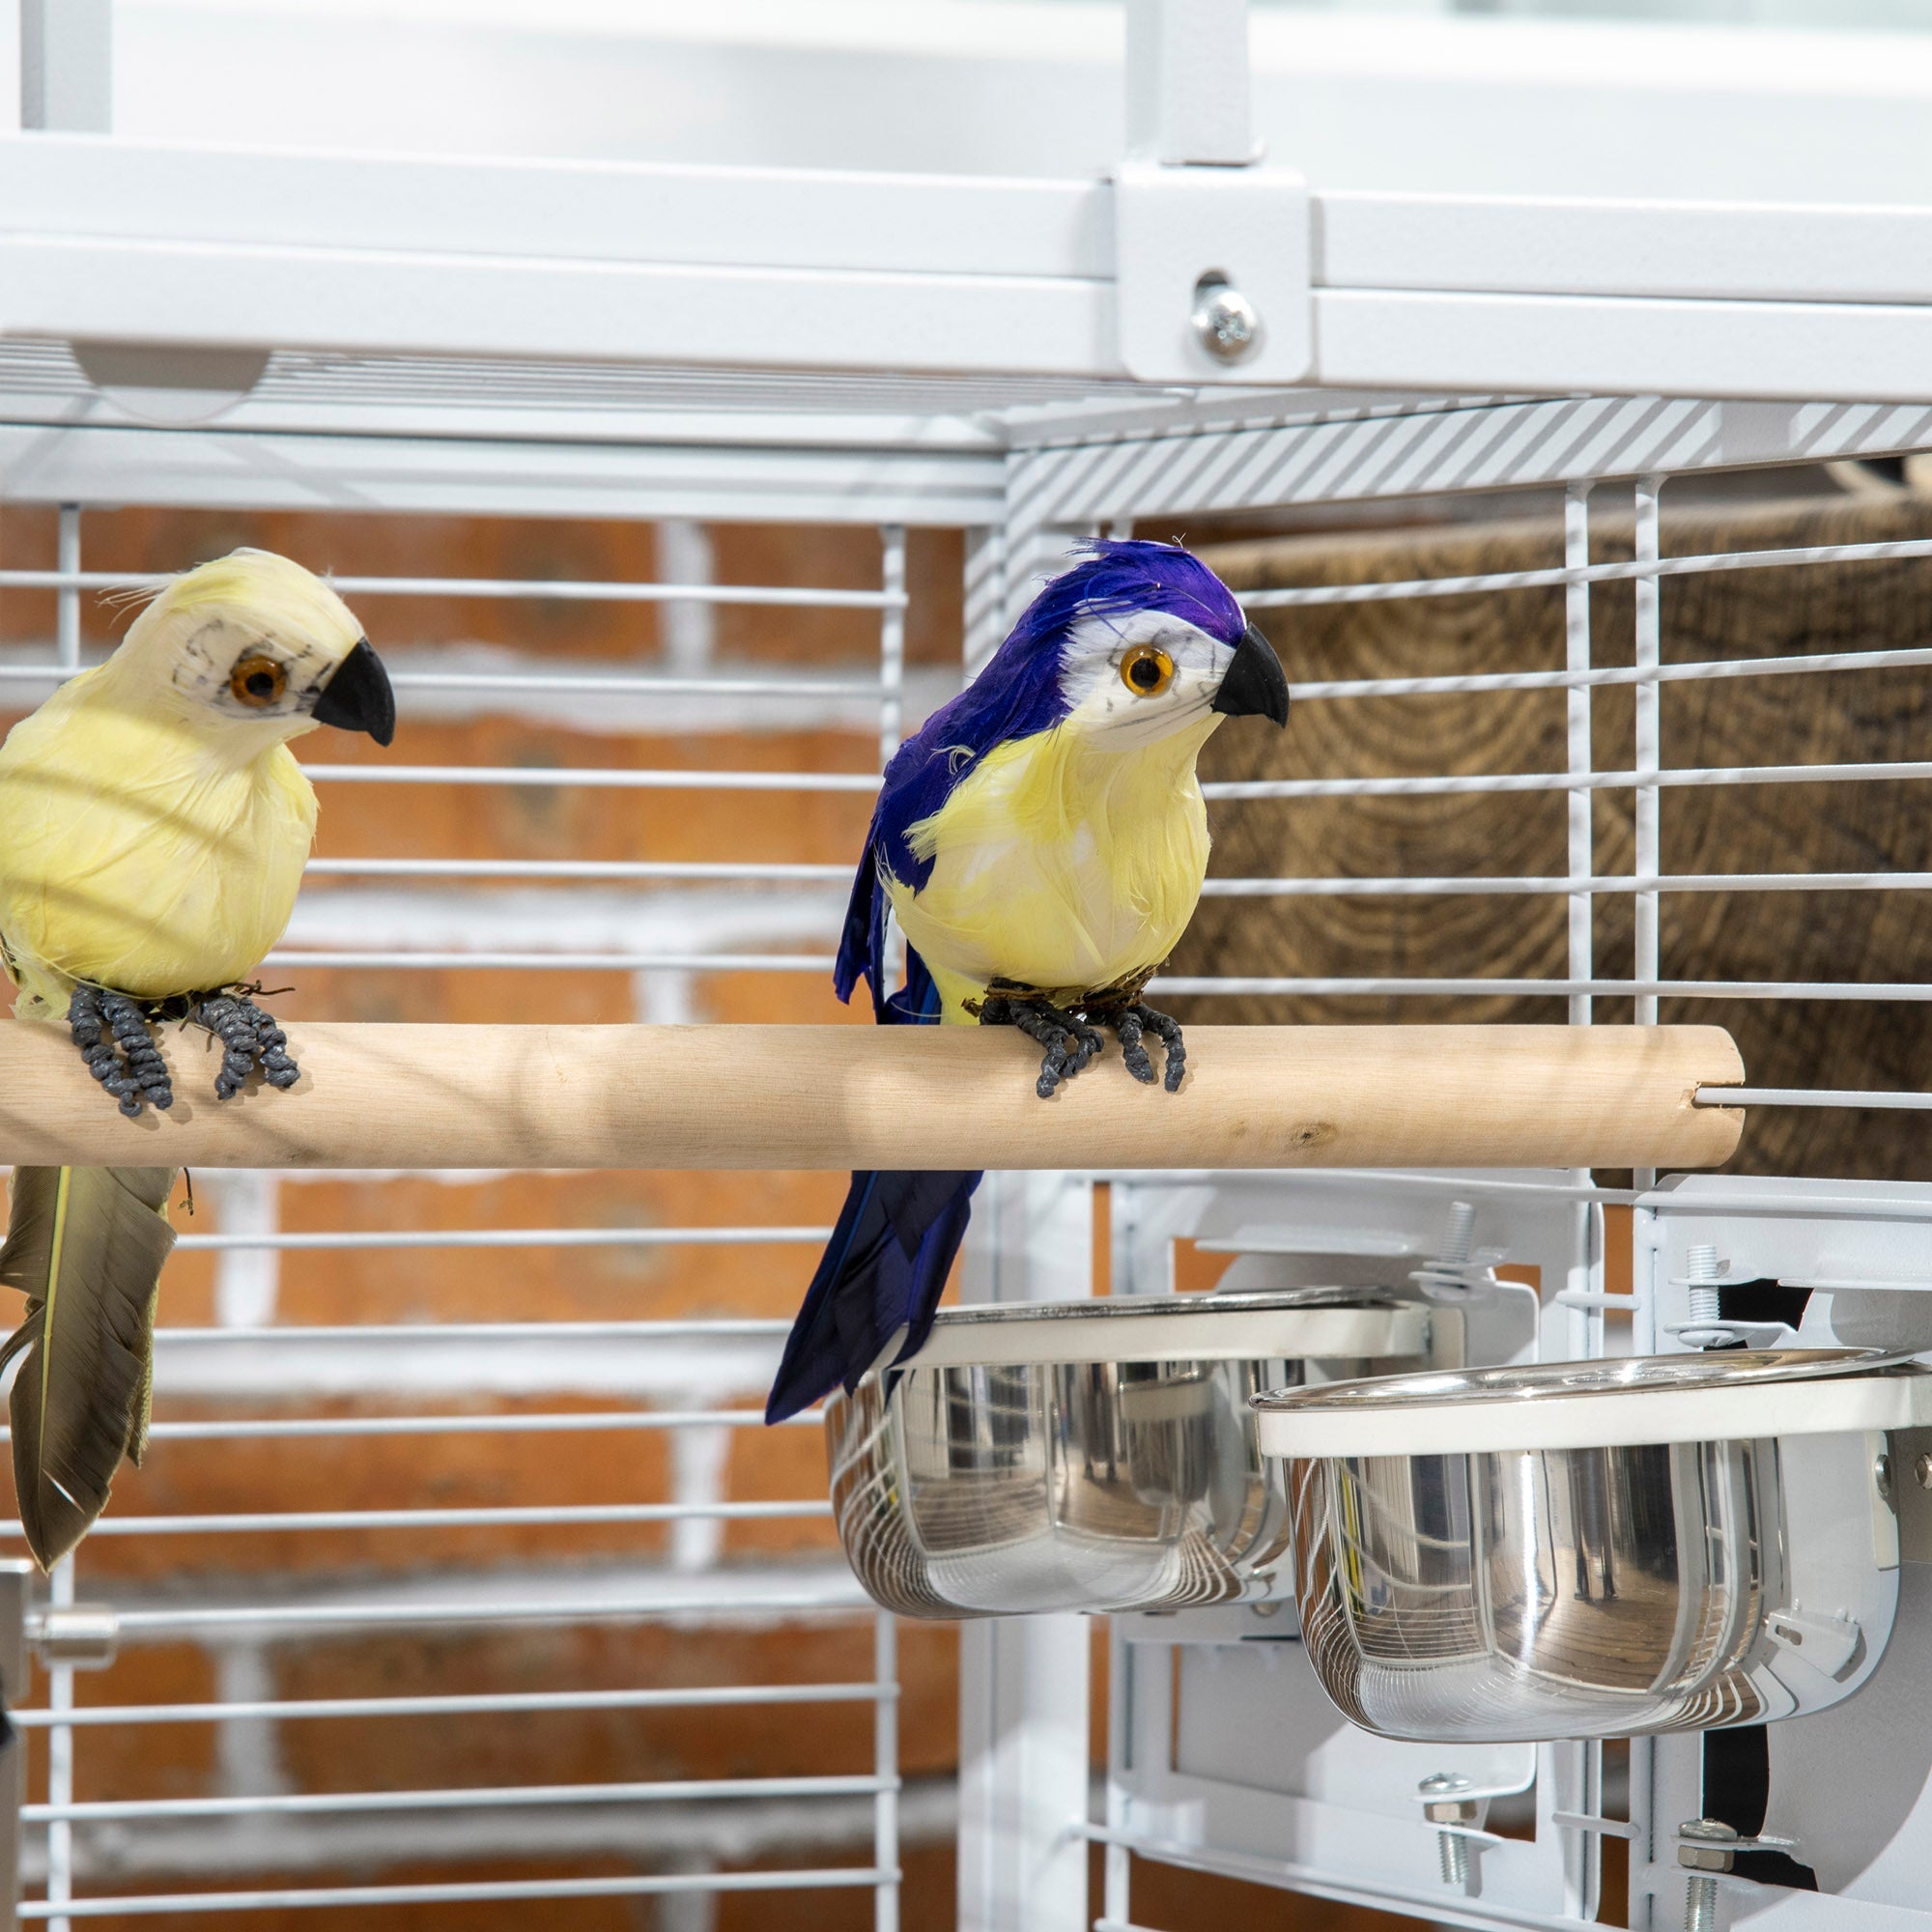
1194 246
1212 256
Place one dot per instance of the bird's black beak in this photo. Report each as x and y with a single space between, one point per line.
358 698
1256 686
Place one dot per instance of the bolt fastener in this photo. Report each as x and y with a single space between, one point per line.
1227 322
1881 1476
1921 1471
1704 1846
1445 1801
1704 1276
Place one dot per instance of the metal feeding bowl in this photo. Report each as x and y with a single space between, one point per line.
1588 1550
1089 1455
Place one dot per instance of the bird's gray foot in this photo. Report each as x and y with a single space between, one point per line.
112 1033
1069 1042
1133 1023
248 1037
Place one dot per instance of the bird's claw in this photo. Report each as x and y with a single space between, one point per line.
1069 1042
248 1037
1139 1019
1072 1040
111 1032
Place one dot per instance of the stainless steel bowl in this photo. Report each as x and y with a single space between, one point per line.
1088 1455
1594 1548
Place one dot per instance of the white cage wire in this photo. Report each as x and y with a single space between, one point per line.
251 1356
1019 1245
1479 344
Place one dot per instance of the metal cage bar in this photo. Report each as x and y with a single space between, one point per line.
784 1594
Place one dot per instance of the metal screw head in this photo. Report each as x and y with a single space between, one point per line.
1882 1475
1227 322
1921 1471
1444 1798
1710 1847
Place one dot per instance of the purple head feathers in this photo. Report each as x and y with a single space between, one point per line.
1121 577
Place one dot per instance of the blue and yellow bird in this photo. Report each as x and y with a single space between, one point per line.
1041 843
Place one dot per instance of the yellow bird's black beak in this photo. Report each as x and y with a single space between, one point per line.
1256 686
358 697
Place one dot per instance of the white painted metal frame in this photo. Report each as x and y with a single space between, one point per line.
1466 342
781 268
1847 1789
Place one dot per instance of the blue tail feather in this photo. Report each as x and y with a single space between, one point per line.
883 1270
886 1264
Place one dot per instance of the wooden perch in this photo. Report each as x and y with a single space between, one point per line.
838 1096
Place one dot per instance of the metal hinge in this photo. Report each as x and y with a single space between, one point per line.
1212 250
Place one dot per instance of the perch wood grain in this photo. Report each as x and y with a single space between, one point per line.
838 1096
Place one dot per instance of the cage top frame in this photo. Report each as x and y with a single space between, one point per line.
786 341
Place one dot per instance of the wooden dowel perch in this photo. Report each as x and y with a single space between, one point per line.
838 1096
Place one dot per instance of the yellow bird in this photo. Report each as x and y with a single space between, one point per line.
1041 841
154 827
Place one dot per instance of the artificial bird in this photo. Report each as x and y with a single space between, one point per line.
1041 841
154 827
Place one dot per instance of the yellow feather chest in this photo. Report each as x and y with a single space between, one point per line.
1059 864
133 858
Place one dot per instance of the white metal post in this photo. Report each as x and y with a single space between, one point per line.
1023 1775
1586 1324
15 1581
1577 659
886 1769
66 598
891 693
985 613
892 640
1648 746
1648 697
1023 1703
67 68
60 1762
689 629
1188 92
1117 1866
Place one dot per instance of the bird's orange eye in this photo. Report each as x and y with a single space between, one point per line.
257 681
1146 671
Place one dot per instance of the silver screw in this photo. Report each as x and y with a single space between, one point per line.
1701 1264
1705 1845
1921 1471
1704 1330
1445 1801
1881 1476
1227 322
1450 1277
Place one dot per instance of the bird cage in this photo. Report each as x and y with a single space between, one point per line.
462 1469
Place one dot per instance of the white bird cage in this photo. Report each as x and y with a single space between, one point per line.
1004 350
